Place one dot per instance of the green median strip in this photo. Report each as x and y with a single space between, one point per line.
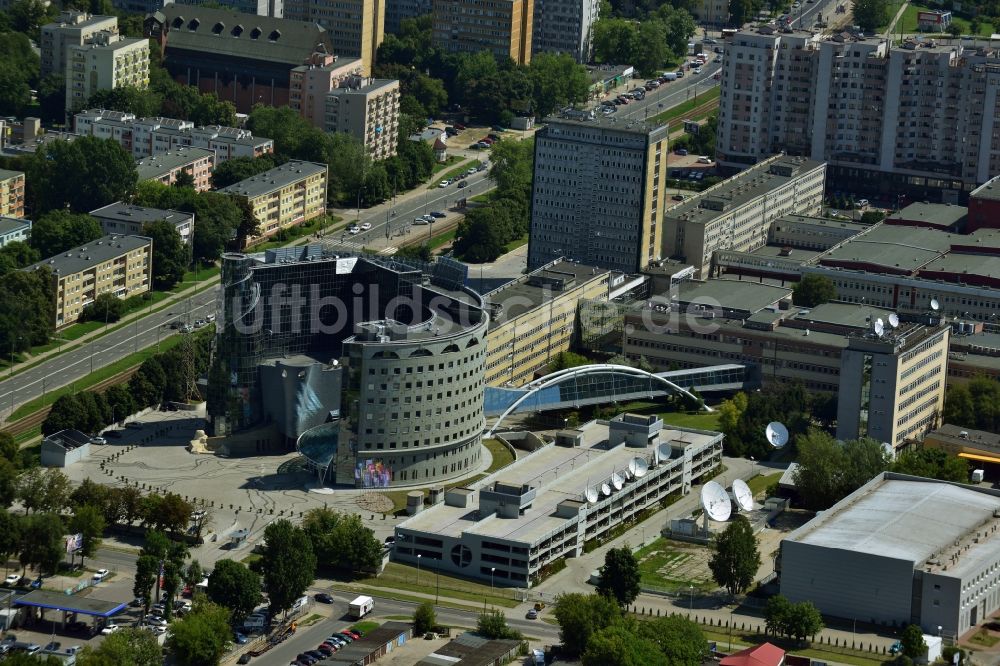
453 173
683 110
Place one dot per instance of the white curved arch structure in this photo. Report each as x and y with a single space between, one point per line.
560 376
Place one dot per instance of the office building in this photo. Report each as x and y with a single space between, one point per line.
978 447
151 136
126 219
712 12
14 230
371 369
396 11
943 217
243 58
144 7
312 82
900 550
564 26
11 193
167 167
284 196
272 8
511 527
367 109
894 384
503 27
984 205
532 318
72 28
119 265
737 213
355 27
596 196
105 61
889 121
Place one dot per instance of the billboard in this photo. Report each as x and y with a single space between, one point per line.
930 17
74 542
373 473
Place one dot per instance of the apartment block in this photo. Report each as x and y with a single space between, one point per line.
712 12
287 195
120 265
356 27
72 28
367 109
104 62
309 84
984 206
398 10
14 230
144 137
737 213
11 193
916 120
564 26
532 319
121 218
596 196
144 7
502 27
166 167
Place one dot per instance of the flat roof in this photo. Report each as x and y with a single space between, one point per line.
975 439
71 602
529 291
848 315
742 188
939 215
809 220
141 214
374 640
6 174
963 265
93 253
9 224
652 131
371 86
275 179
558 474
741 295
161 163
468 649
782 252
904 518
899 249
989 190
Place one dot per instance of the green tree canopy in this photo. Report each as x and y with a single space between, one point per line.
424 618
341 541
618 645
735 557
200 637
492 624
234 586
237 169
932 464
288 563
620 576
42 541
678 638
913 642
125 647
871 14
57 231
84 174
88 520
170 255
829 471
580 616
813 290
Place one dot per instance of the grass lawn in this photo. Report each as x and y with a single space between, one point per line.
404 578
202 273
79 330
311 620
985 639
762 482
481 198
450 162
28 435
894 6
698 420
251 558
501 455
441 239
452 173
659 555
682 110
366 626
516 243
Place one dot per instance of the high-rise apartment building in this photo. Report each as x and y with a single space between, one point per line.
564 26
11 193
72 28
598 193
355 27
309 84
920 116
502 27
104 62
367 109
398 10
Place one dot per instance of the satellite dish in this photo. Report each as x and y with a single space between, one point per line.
631 466
894 320
715 502
777 434
879 327
663 452
935 305
743 495
591 494
641 467
605 489
617 481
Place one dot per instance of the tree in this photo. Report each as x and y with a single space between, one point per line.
959 408
913 642
567 359
125 647
932 464
954 30
424 618
492 624
194 573
236 169
200 637
175 512
8 483
871 14
147 570
620 576
872 217
288 563
141 102
170 255
421 252
57 231
107 308
619 646
813 290
341 541
10 536
806 621
88 520
735 558
15 93
27 309
680 639
234 586
777 615
31 488
580 616
84 174
42 541
828 471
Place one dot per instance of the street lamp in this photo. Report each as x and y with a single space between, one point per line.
493 570
418 570
691 602
753 464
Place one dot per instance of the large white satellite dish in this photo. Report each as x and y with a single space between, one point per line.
591 494
894 320
879 327
641 467
617 481
935 305
743 495
605 489
777 434
631 466
663 452
715 502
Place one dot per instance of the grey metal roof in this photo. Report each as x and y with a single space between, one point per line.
896 248
141 214
939 215
155 166
275 179
89 255
6 174
738 295
296 40
10 224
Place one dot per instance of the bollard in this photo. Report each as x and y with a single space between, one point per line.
657 612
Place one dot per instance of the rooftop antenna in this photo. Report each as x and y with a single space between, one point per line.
893 320
715 502
935 306
777 434
590 493
641 467
879 328
605 490
743 495
617 481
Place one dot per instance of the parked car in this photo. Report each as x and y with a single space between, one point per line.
324 598
244 658
420 220
100 575
704 159
460 126
12 579
444 183
678 197
464 183
681 151
135 424
110 629
498 128
365 226
437 213
354 230
241 639
98 440
532 614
